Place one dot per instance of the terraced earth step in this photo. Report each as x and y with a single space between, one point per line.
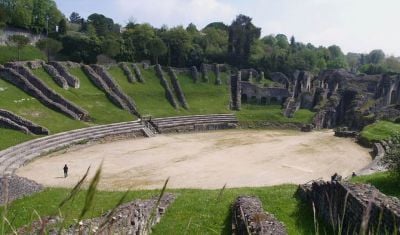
75 133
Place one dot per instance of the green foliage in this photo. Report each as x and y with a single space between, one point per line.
242 35
193 212
19 41
381 130
49 46
8 54
103 25
81 48
178 42
157 48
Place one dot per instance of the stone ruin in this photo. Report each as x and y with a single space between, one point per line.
353 207
249 217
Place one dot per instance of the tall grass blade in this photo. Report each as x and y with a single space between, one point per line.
154 210
316 225
9 224
91 192
220 193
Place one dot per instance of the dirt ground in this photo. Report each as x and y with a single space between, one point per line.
209 160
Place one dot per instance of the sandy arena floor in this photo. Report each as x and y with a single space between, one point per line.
206 160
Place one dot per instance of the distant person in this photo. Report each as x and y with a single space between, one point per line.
354 174
65 171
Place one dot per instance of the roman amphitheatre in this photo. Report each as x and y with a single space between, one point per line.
107 129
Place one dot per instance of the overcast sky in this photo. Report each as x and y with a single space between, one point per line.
354 25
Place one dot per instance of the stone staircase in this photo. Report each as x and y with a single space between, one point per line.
14 157
195 123
290 107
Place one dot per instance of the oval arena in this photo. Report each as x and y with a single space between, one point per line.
208 160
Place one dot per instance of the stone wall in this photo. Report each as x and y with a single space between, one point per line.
32 127
62 70
266 95
127 71
55 75
114 87
47 91
168 92
138 74
194 73
204 73
21 82
248 215
177 88
136 217
13 187
236 92
98 81
350 205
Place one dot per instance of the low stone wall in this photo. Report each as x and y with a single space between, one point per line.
248 216
136 217
21 82
138 74
13 187
177 87
81 113
32 127
7 123
168 92
98 81
218 80
101 71
195 123
127 71
55 75
62 70
353 207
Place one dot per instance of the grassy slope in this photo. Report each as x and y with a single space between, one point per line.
89 97
194 211
8 54
19 102
149 96
380 130
271 113
205 98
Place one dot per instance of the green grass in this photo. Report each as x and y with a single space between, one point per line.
193 212
19 102
8 54
384 181
380 130
10 138
88 97
271 113
149 96
205 98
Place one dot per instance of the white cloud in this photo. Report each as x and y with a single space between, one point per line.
176 12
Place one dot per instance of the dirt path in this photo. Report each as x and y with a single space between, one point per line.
206 160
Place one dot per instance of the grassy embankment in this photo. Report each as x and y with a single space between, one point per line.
202 98
193 212
380 130
8 54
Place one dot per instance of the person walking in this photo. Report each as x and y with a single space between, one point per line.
65 171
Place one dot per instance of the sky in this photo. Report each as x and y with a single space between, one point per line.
354 25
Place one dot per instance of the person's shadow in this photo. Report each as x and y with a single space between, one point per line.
59 177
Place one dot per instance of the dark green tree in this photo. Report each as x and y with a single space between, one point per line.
49 46
242 35
376 56
75 18
157 48
62 27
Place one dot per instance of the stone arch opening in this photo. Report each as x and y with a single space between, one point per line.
243 98
274 100
253 100
263 100
393 97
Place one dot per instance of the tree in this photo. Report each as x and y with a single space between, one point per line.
138 38
179 44
242 35
376 57
75 18
19 41
336 58
62 27
50 46
102 24
157 48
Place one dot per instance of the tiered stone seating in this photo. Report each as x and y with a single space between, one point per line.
19 155
195 123
14 121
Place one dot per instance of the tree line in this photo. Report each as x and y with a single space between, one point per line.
98 38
